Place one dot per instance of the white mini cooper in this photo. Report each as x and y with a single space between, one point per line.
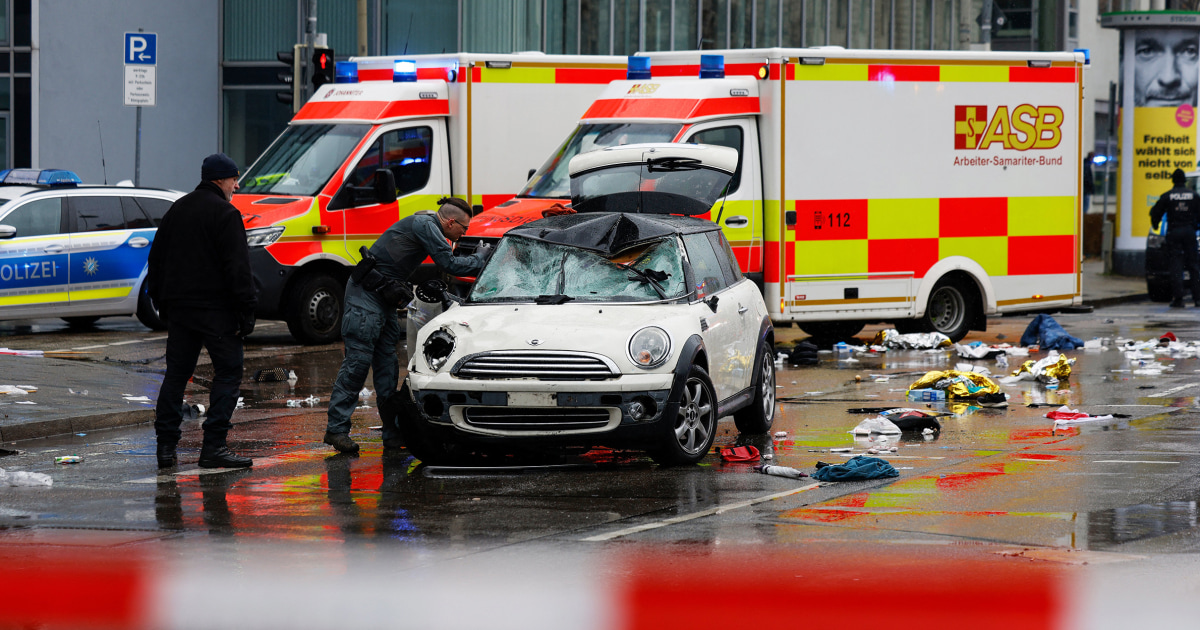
625 324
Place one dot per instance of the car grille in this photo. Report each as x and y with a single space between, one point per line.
536 418
543 365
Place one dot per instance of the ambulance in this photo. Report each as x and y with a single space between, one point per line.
387 139
929 189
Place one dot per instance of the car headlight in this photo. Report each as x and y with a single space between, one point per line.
649 347
438 348
1154 241
261 237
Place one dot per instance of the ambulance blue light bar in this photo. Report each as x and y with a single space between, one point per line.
345 72
712 67
404 71
34 177
638 69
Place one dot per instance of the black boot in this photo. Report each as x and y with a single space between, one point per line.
341 442
166 455
223 458
394 447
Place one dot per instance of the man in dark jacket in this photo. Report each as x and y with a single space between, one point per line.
1181 206
369 324
200 280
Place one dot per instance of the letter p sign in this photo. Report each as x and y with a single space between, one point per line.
141 49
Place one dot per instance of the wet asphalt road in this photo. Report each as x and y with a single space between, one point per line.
995 483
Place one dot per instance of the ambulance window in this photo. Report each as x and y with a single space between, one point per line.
135 219
36 218
724 137
154 208
405 152
706 267
729 263
95 214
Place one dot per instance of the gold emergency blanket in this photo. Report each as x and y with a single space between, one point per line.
957 384
1060 369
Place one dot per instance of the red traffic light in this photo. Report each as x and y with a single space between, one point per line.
323 66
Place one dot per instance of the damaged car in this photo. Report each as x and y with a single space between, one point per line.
627 324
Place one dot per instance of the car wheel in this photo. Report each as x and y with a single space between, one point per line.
315 310
691 432
832 331
951 308
1160 291
146 312
760 413
81 322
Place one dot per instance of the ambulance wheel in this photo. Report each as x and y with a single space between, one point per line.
951 309
314 314
146 313
832 331
81 322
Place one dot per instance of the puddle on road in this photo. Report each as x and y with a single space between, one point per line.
1111 528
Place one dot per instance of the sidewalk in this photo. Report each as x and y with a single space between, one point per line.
58 411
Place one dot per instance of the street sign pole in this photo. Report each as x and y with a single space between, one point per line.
141 89
137 151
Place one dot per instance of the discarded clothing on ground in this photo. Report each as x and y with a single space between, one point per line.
978 350
957 384
891 338
878 424
856 469
739 454
804 353
915 421
1049 335
1064 415
1050 370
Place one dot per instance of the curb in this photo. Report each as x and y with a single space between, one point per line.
1117 299
77 424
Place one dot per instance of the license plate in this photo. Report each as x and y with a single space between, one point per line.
532 399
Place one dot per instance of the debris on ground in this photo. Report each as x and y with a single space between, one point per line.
878 424
68 459
132 398
891 338
780 471
25 479
272 375
1050 370
803 353
1048 334
17 390
856 469
1064 416
956 384
739 454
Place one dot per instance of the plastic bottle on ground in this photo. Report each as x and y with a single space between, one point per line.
780 471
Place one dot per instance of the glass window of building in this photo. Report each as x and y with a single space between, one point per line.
501 26
595 27
658 25
686 26
625 26
766 23
816 18
742 14
417 26
562 27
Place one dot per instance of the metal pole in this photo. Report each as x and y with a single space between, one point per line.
985 29
362 28
137 151
1106 246
310 36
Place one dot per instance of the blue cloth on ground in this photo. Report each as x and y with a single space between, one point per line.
1049 334
857 469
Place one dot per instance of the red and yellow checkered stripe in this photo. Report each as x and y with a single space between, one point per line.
1007 236
520 72
901 71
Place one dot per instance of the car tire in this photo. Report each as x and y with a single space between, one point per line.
758 416
82 322
691 432
146 312
952 306
1159 291
314 314
832 331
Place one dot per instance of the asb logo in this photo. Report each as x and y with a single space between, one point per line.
643 89
1025 127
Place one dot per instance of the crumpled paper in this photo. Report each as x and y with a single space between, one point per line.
891 338
957 384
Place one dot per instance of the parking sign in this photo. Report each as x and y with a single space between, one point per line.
141 49
141 65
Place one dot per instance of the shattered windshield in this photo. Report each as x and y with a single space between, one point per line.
302 159
553 180
527 270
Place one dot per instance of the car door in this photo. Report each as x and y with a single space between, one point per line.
33 262
741 210
106 257
751 310
720 328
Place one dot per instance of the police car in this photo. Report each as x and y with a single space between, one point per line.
76 252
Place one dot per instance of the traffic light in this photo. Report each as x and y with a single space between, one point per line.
290 77
322 67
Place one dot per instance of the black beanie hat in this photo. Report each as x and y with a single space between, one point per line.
1178 177
217 166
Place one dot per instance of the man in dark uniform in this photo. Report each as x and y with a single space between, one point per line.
370 327
1182 209
200 280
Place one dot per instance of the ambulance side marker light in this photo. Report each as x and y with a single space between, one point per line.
1038 63
320 229
404 71
764 71
638 69
712 66
1038 296
812 61
345 72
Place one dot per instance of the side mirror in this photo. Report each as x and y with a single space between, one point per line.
385 186
712 303
529 176
7 231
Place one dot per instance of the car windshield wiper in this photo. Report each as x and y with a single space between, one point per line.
552 299
651 277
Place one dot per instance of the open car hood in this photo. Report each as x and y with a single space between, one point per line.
664 178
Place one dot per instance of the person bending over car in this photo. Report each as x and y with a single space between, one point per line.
370 328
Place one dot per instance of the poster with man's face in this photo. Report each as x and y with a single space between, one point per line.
1165 70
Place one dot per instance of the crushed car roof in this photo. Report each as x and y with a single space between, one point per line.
609 233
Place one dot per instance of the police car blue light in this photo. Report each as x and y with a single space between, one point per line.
35 177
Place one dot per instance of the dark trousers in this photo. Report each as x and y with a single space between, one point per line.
1182 254
184 340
